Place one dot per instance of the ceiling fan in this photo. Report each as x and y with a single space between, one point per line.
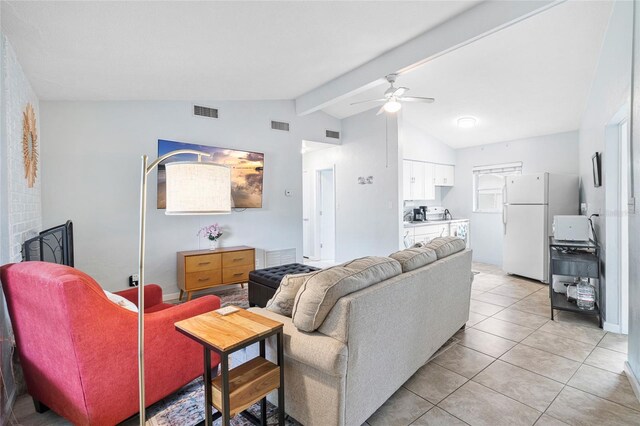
393 97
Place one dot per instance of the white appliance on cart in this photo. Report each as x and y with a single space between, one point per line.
530 203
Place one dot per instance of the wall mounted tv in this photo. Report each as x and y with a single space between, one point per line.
247 169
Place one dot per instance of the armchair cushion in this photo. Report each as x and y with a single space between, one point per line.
121 301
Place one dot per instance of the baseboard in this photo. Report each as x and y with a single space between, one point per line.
170 296
635 385
614 328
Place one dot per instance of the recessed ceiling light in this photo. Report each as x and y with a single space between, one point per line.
467 122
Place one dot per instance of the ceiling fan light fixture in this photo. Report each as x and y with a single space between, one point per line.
392 106
467 122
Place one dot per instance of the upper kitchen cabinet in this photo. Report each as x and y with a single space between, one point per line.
418 178
444 175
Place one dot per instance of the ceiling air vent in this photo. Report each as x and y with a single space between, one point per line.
332 134
203 111
280 125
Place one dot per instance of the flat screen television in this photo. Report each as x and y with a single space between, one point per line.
247 169
53 245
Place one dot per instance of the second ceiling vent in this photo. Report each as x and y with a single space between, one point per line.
280 125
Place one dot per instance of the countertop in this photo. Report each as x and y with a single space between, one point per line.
433 222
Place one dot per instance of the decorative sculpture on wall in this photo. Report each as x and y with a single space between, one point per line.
30 145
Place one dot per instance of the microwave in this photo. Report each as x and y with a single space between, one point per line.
571 228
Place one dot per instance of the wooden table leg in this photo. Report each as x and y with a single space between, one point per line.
208 420
281 388
224 361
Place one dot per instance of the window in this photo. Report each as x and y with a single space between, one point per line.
488 186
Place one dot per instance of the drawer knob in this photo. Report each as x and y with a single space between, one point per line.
237 259
237 274
203 279
204 263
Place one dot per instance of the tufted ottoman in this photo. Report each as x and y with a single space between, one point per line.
263 283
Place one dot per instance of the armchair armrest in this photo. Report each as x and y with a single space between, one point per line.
152 295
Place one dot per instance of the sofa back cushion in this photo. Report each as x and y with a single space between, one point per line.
322 289
414 258
282 301
446 246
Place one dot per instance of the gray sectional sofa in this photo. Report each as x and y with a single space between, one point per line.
372 341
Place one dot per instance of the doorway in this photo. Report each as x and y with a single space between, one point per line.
325 214
617 178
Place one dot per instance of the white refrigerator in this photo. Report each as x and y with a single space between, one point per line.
530 202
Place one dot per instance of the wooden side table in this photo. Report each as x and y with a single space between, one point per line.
232 392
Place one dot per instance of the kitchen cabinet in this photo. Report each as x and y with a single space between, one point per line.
423 233
444 175
418 178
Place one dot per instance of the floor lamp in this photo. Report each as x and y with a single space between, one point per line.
192 187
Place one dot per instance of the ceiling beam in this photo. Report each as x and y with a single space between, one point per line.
470 25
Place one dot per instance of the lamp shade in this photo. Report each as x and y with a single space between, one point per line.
197 188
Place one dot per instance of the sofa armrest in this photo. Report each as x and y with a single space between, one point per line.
152 295
316 350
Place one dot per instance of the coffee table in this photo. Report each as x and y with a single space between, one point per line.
232 392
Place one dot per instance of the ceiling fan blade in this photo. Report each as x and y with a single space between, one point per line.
416 99
400 91
381 110
370 100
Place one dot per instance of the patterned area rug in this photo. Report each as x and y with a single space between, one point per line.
186 407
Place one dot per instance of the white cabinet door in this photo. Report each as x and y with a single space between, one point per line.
444 175
429 181
406 179
418 180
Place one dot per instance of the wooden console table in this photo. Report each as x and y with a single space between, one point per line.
232 392
203 269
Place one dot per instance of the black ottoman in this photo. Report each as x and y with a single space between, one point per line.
263 283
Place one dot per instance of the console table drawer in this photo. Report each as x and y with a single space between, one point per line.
238 258
203 279
205 262
237 274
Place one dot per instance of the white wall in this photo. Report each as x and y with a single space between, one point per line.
20 206
92 173
557 153
367 216
610 91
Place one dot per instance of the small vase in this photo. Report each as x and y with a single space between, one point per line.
213 244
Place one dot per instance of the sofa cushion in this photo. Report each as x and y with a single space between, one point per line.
282 301
446 246
414 258
316 350
320 292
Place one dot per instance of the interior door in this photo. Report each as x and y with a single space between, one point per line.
527 189
327 215
524 244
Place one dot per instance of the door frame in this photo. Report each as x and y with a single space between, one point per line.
617 216
317 215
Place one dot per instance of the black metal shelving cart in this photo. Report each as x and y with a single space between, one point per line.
574 259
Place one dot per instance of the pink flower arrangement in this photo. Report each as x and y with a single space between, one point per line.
212 232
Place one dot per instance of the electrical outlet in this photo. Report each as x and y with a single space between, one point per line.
134 280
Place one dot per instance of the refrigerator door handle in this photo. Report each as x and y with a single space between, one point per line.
504 218
504 208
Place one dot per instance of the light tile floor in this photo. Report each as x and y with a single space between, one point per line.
511 366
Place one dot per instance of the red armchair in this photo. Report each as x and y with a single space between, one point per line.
79 350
